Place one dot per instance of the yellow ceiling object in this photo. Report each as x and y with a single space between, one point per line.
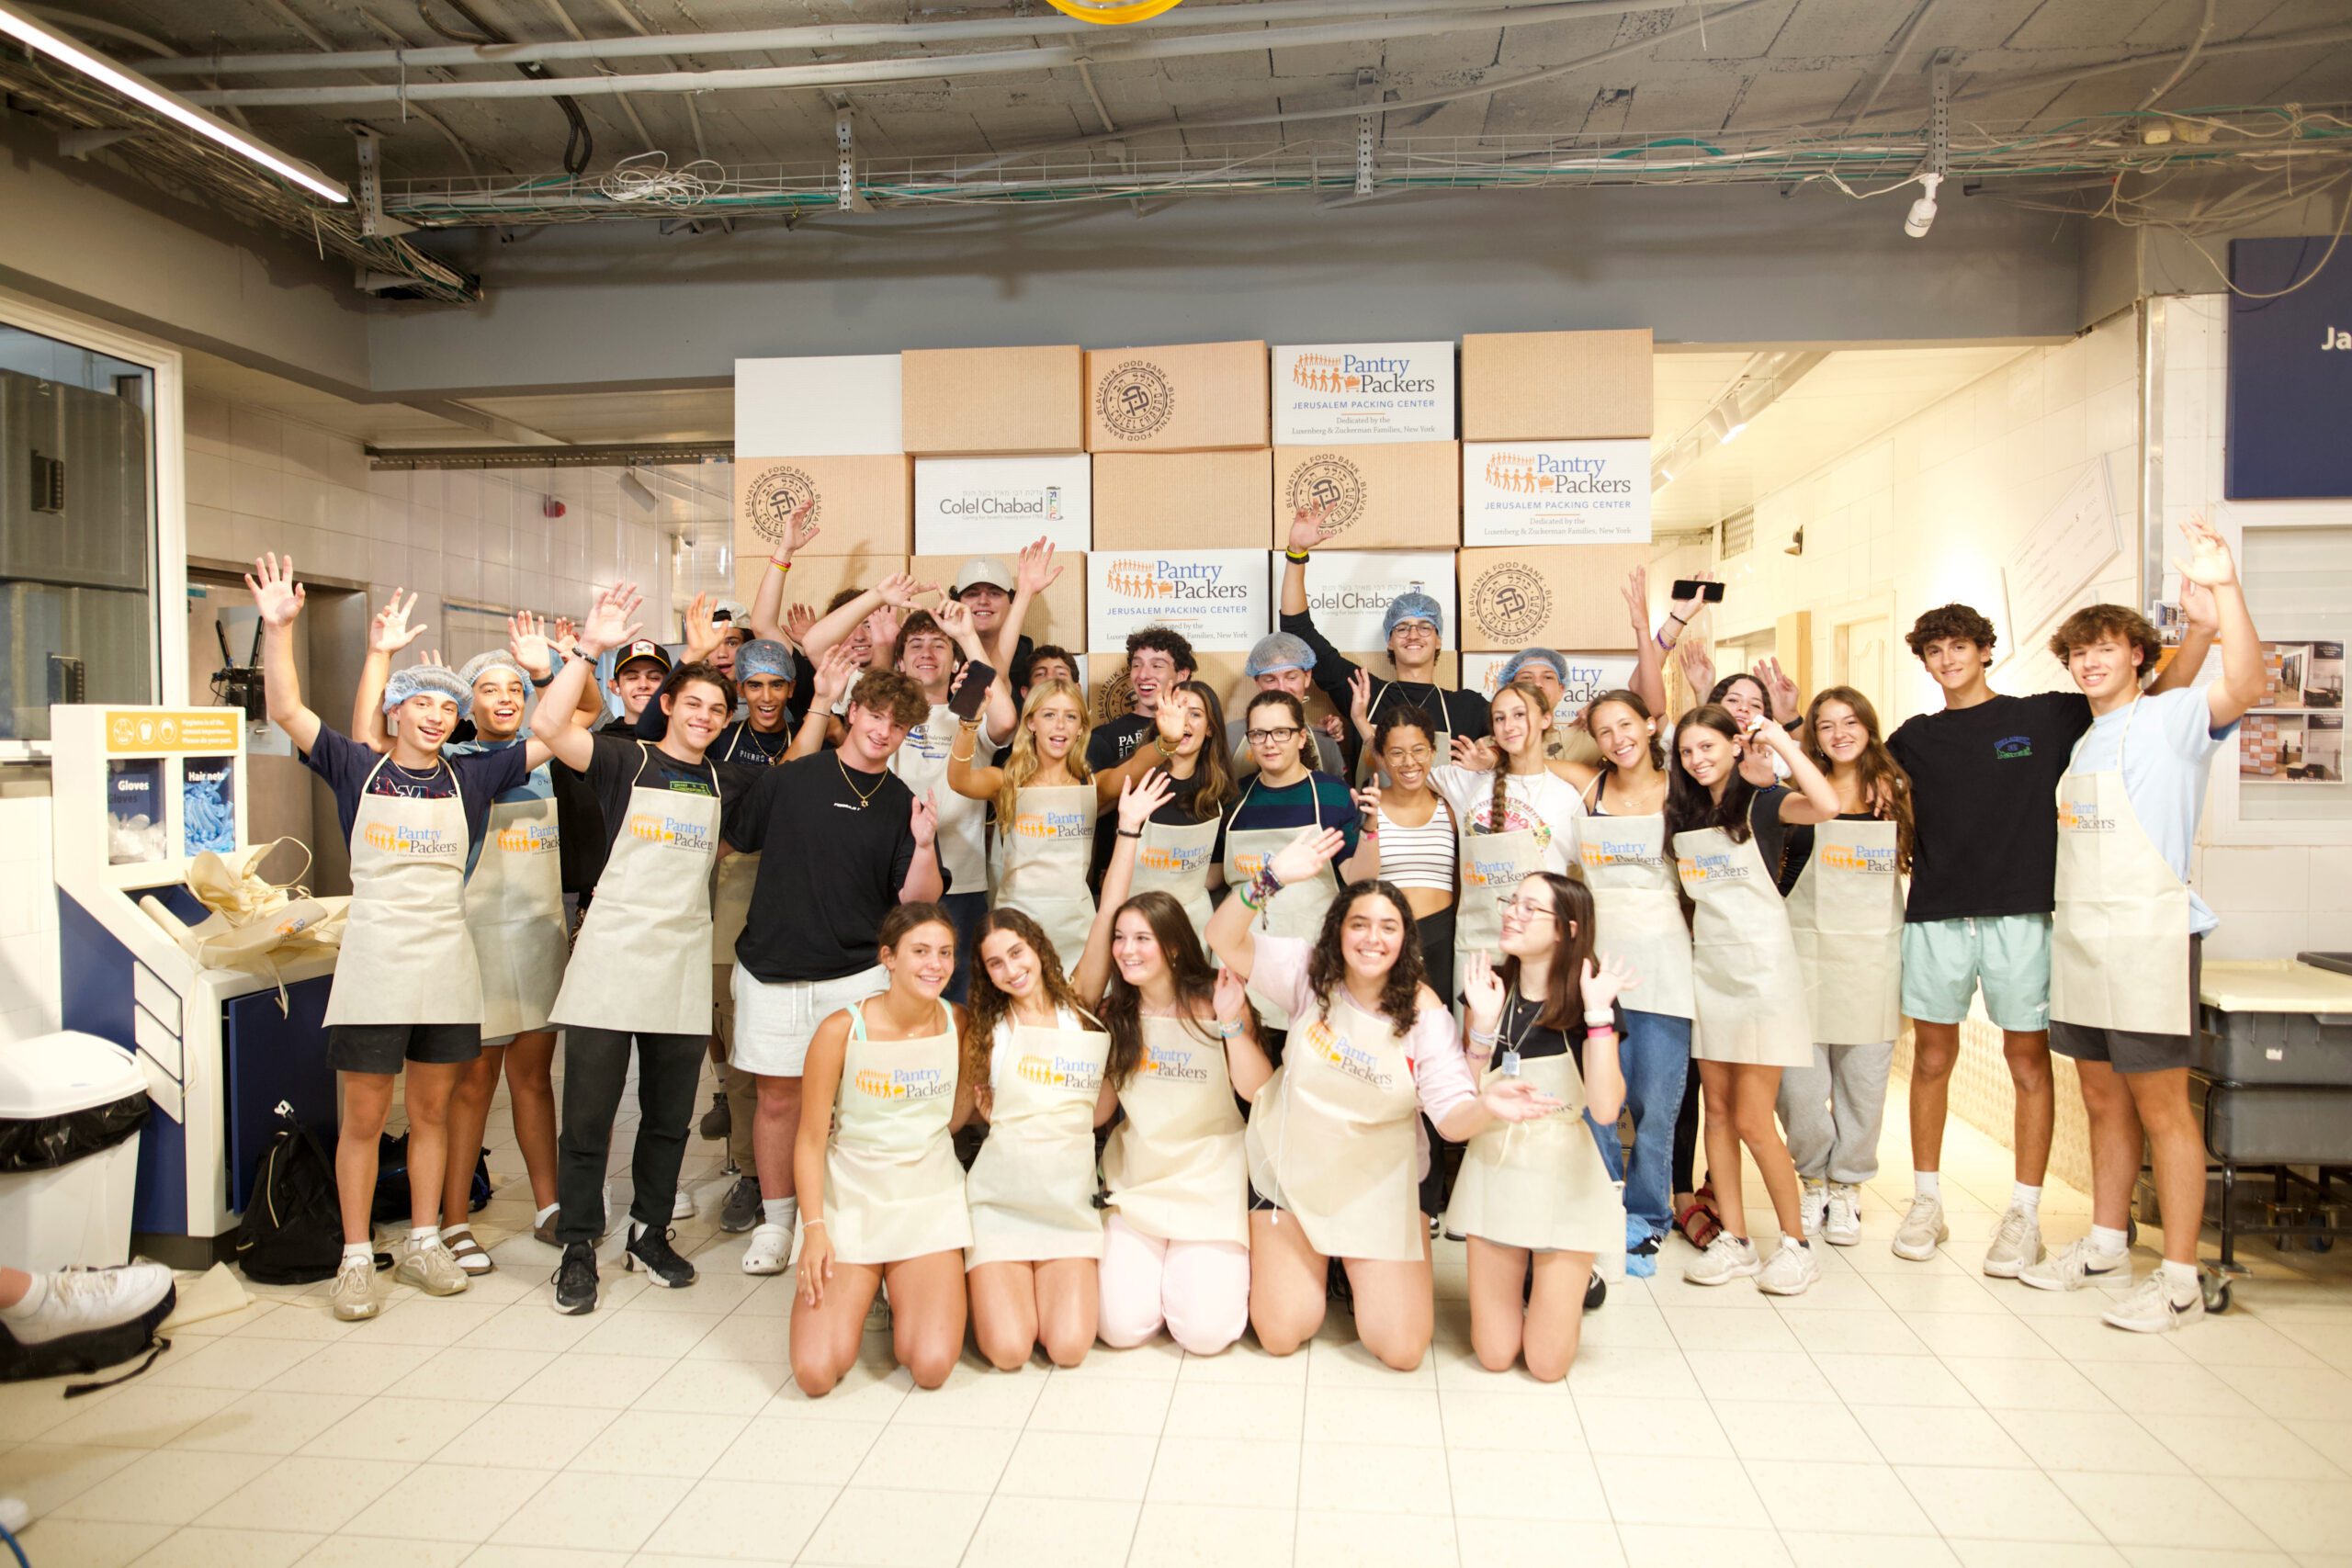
1112 13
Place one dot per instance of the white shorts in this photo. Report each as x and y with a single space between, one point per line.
773 1022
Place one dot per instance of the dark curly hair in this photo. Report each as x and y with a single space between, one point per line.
888 691
2093 622
1188 969
1400 994
986 1007
1950 621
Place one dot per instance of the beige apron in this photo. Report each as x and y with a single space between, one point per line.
1046 850
515 909
893 1189
1636 913
1441 744
1846 913
642 960
2118 938
1175 858
1174 1167
1492 865
1031 1190
1334 1139
407 956
1541 1184
1748 996
1296 909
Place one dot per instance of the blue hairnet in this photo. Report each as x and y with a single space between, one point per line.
1412 605
419 679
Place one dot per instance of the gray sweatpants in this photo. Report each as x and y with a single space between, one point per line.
1832 1111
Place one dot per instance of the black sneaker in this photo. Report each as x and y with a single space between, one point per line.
717 1123
575 1281
741 1209
662 1265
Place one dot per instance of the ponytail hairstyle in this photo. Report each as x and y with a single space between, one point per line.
1564 990
986 1007
1690 804
1539 719
1188 966
1624 698
1886 785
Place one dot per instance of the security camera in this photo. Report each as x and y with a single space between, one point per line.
1796 546
1923 211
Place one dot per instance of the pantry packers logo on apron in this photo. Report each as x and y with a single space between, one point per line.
1135 400
902 1083
672 832
427 842
529 838
1711 867
1330 1047
1060 1072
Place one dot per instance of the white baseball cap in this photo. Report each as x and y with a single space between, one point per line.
984 569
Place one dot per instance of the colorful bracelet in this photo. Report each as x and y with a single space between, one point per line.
1245 892
1233 1031
1297 555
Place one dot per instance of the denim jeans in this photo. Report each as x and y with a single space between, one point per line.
967 910
1656 1055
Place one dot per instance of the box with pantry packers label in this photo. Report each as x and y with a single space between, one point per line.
1403 495
1556 386
859 503
1347 393
1056 615
1558 596
995 505
1219 600
1178 398
1208 500
972 401
1555 493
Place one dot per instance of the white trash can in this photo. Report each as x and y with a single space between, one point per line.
71 1107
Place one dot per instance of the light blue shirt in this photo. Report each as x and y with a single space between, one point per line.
2166 764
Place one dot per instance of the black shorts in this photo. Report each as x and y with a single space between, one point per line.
2128 1051
382 1048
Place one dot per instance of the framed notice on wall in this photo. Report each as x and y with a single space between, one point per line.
2069 546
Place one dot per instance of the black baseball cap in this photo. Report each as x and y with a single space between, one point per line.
641 648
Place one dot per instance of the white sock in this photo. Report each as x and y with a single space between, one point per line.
544 1215
2108 1242
36 1295
364 1251
2180 1280
779 1212
2026 1198
1928 1184
460 1228
636 1229
419 1235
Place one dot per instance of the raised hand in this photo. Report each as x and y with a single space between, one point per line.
1231 997
797 619
2210 563
702 632
1779 687
2199 611
1637 599
389 632
1482 993
1036 571
1698 667
1307 529
1604 982
527 641
898 590
882 627
1475 756
275 593
1333 726
1687 609
1139 798
431 659
1314 848
1368 802
834 672
923 819
1516 1100
1360 702
955 618
798 531
1169 720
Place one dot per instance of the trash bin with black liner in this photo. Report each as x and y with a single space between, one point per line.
71 1108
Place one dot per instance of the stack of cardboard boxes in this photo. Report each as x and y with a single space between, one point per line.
824 430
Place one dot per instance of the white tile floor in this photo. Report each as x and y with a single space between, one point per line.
1911 1414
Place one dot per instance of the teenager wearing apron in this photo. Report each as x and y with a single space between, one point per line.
1184 1046
1044 798
1177 854
1637 900
2128 932
407 991
639 983
1536 1197
884 1194
1335 1146
1284 797
1522 817
1749 1012
1846 912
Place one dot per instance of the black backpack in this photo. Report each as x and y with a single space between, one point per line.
292 1230
390 1204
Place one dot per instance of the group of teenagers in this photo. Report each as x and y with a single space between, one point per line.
1054 1031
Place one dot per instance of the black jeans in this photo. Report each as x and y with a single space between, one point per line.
595 1066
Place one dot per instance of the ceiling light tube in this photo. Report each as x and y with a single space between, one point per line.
140 91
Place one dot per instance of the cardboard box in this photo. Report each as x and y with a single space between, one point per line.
1403 495
1220 601
816 579
1191 397
1332 394
1556 386
1056 615
1555 493
1556 596
1214 500
835 406
1348 592
1107 695
965 400
863 505
993 506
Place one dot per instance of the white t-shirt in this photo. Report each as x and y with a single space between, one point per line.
2167 760
1544 802
921 763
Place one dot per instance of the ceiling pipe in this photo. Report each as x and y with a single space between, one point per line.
830 35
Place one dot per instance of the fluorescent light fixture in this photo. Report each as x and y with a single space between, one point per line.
137 88
1729 425
637 490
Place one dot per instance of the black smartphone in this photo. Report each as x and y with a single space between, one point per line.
1692 588
967 701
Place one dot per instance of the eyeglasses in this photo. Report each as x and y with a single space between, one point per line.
1410 754
1512 903
1260 737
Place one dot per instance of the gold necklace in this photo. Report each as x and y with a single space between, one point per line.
864 798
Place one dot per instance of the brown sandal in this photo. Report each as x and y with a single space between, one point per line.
1699 1224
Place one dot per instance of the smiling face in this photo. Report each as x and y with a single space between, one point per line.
426 719
1409 756
1532 924
2106 669
922 961
1744 698
1136 950
1011 963
698 711
1054 729
1150 671
1197 722
1413 642
636 684
1372 936
1516 727
1623 734
764 695
873 737
988 603
1708 755
928 657
498 703
1953 662
723 656
1839 731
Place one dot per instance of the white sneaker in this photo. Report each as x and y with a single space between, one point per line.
770 1250
682 1207
1790 1272
2015 1244
354 1296
2070 1269
1812 1203
80 1301
429 1266
1922 1230
1727 1258
1842 1225
2151 1309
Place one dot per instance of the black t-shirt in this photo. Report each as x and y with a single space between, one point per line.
478 779
1984 791
1772 835
579 819
1112 743
622 763
1452 710
829 869
1518 1023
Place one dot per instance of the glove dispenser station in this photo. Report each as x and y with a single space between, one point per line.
137 792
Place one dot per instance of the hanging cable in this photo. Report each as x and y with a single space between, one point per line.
579 142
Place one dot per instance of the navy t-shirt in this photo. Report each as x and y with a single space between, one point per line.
1316 798
477 778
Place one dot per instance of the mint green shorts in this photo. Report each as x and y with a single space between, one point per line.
1945 961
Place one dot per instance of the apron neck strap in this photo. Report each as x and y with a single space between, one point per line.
2130 710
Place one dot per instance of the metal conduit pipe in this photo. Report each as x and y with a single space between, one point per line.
829 36
926 68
